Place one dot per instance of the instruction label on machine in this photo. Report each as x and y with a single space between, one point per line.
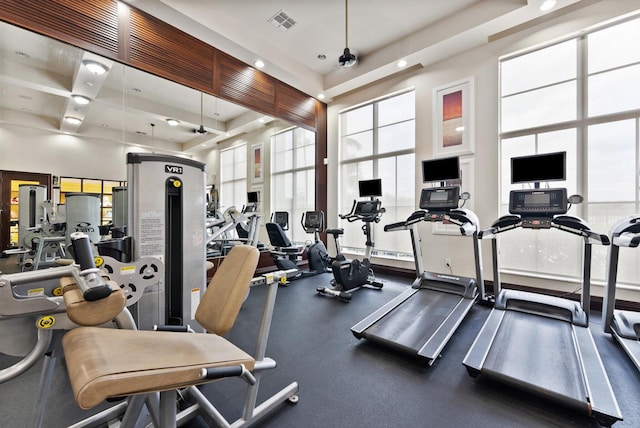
195 301
151 236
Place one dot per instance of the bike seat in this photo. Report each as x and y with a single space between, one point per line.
335 232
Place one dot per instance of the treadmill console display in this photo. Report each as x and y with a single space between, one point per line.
538 202
440 198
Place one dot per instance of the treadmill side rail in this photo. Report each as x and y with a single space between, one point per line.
603 401
630 346
436 343
381 312
477 354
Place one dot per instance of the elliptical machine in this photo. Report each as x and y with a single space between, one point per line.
351 275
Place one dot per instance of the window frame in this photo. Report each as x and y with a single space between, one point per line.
582 124
374 157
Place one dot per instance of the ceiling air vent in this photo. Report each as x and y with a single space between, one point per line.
282 21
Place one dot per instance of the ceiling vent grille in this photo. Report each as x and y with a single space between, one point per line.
282 21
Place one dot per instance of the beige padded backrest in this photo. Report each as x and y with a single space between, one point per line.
227 290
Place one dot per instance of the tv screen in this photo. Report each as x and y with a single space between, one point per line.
535 168
370 187
441 169
252 197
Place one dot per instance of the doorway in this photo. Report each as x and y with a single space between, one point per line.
9 203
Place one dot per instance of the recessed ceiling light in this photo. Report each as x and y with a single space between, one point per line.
23 55
401 63
321 96
173 122
73 120
547 4
95 67
80 99
259 63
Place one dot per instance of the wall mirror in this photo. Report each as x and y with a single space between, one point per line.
60 118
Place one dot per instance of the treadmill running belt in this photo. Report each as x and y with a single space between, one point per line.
538 354
412 323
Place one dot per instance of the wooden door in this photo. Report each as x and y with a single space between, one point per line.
9 202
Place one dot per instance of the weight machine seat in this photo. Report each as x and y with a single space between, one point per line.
277 237
105 363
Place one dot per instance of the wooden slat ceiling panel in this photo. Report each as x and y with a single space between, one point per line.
247 86
155 46
91 24
295 107
169 52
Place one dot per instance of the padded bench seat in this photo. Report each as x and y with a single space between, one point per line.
105 363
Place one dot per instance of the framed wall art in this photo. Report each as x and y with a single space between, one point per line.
257 164
453 118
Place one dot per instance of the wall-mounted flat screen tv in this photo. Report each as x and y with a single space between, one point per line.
443 169
252 197
536 168
370 187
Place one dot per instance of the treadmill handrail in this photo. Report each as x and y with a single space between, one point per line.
565 223
626 239
502 224
577 226
630 224
467 220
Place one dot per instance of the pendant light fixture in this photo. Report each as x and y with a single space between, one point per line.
201 130
347 59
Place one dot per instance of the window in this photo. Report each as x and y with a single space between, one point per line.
233 177
582 96
377 140
293 159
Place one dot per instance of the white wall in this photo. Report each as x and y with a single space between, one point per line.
39 150
482 64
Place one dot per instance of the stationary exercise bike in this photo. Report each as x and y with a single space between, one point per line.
350 275
286 255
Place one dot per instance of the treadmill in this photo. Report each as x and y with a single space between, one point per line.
421 320
623 325
539 343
